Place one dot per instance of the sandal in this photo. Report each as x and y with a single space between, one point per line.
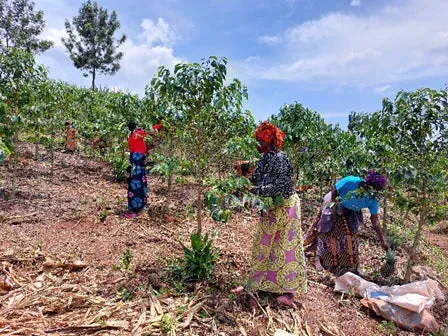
130 215
287 300
238 290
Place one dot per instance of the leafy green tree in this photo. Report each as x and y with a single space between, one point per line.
19 74
419 123
210 113
54 96
91 43
169 157
306 134
319 152
4 150
374 133
21 25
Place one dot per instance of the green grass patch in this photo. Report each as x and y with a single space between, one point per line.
437 260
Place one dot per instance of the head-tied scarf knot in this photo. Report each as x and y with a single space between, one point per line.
270 133
376 180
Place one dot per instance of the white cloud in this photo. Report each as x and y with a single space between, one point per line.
355 3
252 59
269 40
56 36
335 115
401 42
141 61
158 33
382 89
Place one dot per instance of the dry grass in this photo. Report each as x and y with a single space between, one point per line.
62 235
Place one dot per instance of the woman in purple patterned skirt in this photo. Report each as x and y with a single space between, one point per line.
278 262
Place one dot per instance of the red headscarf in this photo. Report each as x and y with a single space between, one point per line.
270 134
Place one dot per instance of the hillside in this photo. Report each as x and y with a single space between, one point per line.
63 236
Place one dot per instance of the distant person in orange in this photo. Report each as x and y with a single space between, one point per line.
71 144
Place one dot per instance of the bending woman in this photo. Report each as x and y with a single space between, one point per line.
334 235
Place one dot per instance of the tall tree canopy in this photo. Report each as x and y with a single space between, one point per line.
20 26
91 43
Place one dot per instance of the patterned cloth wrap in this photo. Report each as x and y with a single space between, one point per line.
329 213
334 236
278 262
136 180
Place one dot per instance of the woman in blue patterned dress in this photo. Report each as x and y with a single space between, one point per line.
136 171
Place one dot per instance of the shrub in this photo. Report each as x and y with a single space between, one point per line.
197 263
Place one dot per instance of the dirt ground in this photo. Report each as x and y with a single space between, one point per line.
61 236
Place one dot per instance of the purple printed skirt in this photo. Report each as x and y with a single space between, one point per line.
278 262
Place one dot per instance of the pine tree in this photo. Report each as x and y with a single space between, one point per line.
20 26
91 43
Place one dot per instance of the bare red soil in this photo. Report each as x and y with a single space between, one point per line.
75 216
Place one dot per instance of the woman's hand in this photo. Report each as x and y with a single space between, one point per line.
243 168
384 243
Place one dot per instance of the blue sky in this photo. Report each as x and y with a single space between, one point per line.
333 56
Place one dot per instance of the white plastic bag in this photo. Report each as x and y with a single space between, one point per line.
407 305
414 296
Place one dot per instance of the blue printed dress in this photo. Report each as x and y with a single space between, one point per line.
136 180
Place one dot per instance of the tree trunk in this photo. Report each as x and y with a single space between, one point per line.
385 213
170 170
93 78
418 234
385 208
53 136
334 178
199 208
406 214
14 165
170 182
36 151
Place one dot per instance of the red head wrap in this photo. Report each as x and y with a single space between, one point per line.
270 133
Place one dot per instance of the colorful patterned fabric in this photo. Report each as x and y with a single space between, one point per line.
278 262
273 176
136 180
338 249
